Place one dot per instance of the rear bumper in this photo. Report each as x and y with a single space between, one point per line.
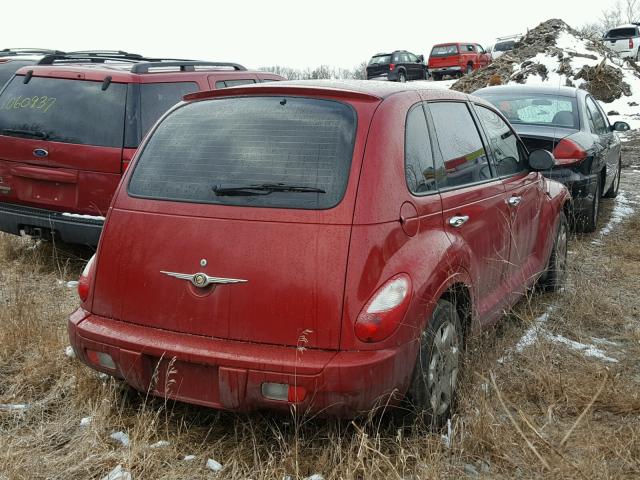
67 228
582 188
228 374
446 70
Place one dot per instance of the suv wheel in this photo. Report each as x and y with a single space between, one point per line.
469 69
435 375
556 274
589 222
436 77
402 77
615 186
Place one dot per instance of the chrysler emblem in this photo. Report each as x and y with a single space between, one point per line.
202 280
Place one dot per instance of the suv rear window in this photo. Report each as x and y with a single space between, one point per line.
444 51
380 60
60 110
239 143
622 33
7 69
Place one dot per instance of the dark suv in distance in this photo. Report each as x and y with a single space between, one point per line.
70 125
12 59
398 66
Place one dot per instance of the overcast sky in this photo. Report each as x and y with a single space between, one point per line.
299 34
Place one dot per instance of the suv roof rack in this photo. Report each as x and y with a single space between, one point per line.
184 65
92 56
11 52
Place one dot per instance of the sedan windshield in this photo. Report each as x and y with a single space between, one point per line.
536 109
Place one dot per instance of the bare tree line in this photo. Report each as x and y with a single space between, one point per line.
623 11
323 72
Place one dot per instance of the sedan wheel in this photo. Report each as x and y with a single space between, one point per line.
435 376
556 274
589 222
615 186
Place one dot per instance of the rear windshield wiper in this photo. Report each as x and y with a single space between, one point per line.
25 133
263 189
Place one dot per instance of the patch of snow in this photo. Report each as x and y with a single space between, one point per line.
587 350
86 217
604 341
622 209
315 476
160 444
121 437
17 407
85 421
446 438
103 376
70 352
118 473
72 284
189 458
213 465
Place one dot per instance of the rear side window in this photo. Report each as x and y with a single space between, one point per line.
7 69
234 83
157 98
419 169
241 151
597 121
61 110
464 160
504 46
509 155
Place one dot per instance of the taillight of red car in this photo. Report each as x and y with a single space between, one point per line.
385 310
86 279
568 152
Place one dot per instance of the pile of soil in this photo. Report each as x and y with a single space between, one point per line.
604 81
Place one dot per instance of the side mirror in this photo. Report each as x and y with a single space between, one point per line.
620 127
540 160
421 58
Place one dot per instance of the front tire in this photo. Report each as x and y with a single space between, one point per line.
435 376
615 186
556 274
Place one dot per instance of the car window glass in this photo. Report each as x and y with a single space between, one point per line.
535 108
412 57
380 60
9 68
64 110
597 121
509 156
245 142
418 156
234 83
464 160
444 50
404 58
480 49
157 98
396 58
470 48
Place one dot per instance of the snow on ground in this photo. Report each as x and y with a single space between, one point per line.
621 209
537 332
213 465
118 473
86 217
120 437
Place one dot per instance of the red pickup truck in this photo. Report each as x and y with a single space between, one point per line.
457 59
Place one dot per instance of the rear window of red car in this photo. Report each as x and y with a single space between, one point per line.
205 150
61 110
444 50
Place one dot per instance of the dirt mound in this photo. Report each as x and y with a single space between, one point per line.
553 53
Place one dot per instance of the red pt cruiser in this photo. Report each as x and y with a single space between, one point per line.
321 244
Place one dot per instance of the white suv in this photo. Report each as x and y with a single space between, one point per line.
624 40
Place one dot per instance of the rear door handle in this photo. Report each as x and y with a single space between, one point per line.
514 201
458 220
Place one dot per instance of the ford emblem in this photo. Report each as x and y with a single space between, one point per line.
40 152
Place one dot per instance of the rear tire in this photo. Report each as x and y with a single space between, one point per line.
588 223
469 69
435 375
615 186
402 78
437 77
555 276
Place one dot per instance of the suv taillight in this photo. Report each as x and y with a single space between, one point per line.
631 43
392 66
86 279
567 152
385 310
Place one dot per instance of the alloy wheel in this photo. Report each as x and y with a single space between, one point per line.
443 369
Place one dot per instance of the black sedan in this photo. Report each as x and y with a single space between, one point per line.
570 123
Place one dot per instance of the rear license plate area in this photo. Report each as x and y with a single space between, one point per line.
189 382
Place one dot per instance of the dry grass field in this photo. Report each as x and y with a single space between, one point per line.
553 392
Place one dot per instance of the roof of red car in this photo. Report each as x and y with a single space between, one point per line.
363 89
